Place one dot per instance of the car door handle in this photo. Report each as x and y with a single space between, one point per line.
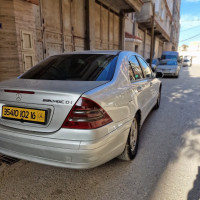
139 89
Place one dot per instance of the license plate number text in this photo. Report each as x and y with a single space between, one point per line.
24 114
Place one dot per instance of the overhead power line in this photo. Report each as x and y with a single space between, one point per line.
190 38
190 28
193 20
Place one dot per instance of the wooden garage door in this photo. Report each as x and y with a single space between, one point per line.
27 49
51 14
107 30
63 26
73 18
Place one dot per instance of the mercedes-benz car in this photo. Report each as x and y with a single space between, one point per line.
169 68
78 110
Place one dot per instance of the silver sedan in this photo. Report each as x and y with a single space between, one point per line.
78 110
168 68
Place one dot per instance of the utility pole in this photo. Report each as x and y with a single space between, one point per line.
152 35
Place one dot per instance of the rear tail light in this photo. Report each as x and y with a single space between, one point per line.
20 91
86 114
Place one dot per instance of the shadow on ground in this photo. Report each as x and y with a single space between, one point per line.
194 193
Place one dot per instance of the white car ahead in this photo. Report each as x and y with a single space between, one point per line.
78 110
187 62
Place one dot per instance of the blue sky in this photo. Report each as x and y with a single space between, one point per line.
190 21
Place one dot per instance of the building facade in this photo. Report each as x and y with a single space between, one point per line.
133 38
31 30
175 25
166 27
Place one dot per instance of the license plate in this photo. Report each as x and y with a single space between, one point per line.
24 114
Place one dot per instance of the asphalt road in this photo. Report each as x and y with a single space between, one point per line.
167 166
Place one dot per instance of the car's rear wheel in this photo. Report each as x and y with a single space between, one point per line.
131 147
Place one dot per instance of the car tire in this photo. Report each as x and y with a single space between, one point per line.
158 101
131 147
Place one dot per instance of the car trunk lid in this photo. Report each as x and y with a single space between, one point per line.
56 98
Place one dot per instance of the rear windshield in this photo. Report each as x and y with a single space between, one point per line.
79 67
170 62
163 57
154 61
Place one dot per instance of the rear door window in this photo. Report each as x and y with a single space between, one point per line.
74 67
146 69
131 74
164 57
136 68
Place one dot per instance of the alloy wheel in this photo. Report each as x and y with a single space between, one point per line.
133 135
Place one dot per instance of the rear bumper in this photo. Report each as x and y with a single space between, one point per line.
170 74
64 153
186 64
174 73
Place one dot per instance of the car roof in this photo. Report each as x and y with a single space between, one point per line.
169 53
109 52
162 60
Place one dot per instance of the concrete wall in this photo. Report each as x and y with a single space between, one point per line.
156 47
163 17
167 46
131 27
146 12
170 4
129 23
175 25
129 45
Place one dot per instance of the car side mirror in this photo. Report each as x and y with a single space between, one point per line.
153 75
148 60
159 75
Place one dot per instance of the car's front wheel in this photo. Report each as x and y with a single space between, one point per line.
131 147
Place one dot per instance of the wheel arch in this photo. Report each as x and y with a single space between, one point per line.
138 114
160 87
